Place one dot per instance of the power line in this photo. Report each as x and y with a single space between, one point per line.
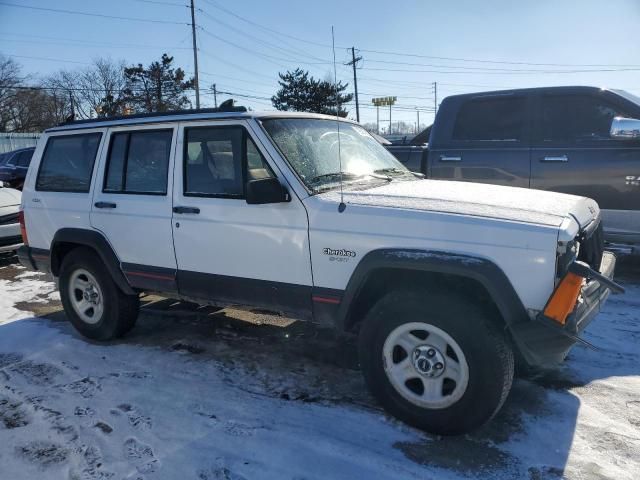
255 24
502 62
48 59
261 41
510 72
89 14
83 43
489 69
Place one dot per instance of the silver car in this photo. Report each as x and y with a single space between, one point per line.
10 237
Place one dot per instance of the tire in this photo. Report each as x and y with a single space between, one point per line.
107 312
476 361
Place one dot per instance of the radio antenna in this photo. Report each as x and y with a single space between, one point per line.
342 206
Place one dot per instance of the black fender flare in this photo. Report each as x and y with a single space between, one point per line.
96 241
482 270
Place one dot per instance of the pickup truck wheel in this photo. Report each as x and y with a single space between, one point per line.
435 360
92 301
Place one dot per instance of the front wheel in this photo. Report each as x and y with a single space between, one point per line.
435 360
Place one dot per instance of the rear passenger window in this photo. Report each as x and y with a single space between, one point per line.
67 163
491 120
138 162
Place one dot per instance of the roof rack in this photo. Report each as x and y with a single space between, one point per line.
224 107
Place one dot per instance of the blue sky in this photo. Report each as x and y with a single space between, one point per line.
462 45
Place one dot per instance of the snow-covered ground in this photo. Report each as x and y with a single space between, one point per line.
197 394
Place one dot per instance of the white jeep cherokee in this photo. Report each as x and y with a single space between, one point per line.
310 217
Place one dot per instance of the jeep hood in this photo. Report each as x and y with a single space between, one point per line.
477 199
9 196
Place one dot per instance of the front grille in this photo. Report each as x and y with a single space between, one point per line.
9 219
6 241
592 245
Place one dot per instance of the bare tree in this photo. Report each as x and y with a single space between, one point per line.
102 85
30 111
10 78
93 91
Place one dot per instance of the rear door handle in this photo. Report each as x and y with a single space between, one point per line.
186 210
557 158
449 158
105 205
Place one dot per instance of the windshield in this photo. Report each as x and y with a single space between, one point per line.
629 96
311 147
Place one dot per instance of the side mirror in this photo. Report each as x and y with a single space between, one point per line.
266 190
625 128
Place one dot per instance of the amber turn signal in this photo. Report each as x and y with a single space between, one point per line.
564 298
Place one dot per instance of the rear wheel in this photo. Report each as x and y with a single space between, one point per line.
92 301
435 360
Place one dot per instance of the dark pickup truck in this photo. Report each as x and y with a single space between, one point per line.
578 140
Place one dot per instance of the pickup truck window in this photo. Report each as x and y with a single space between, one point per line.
500 119
312 149
576 118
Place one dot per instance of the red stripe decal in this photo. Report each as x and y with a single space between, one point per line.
150 275
333 301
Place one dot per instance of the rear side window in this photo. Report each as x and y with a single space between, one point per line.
67 163
491 120
138 162
576 118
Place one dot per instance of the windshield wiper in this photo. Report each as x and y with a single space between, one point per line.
333 176
392 170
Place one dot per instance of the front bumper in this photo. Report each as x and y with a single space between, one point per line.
544 342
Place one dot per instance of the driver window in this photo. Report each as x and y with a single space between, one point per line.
214 158
213 161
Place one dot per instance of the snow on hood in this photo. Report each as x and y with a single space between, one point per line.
478 199
9 196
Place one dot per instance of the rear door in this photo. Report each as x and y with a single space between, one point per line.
487 142
132 203
574 153
59 193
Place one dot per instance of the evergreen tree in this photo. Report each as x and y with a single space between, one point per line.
300 92
158 88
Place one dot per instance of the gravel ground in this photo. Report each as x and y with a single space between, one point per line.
195 392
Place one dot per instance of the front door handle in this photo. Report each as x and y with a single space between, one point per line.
556 158
449 158
105 205
186 210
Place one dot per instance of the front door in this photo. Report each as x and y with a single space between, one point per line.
132 203
227 250
488 143
574 153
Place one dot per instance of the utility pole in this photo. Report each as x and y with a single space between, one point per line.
195 53
378 119
215 96
73 107
353 62
418 125
435 98
390 105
